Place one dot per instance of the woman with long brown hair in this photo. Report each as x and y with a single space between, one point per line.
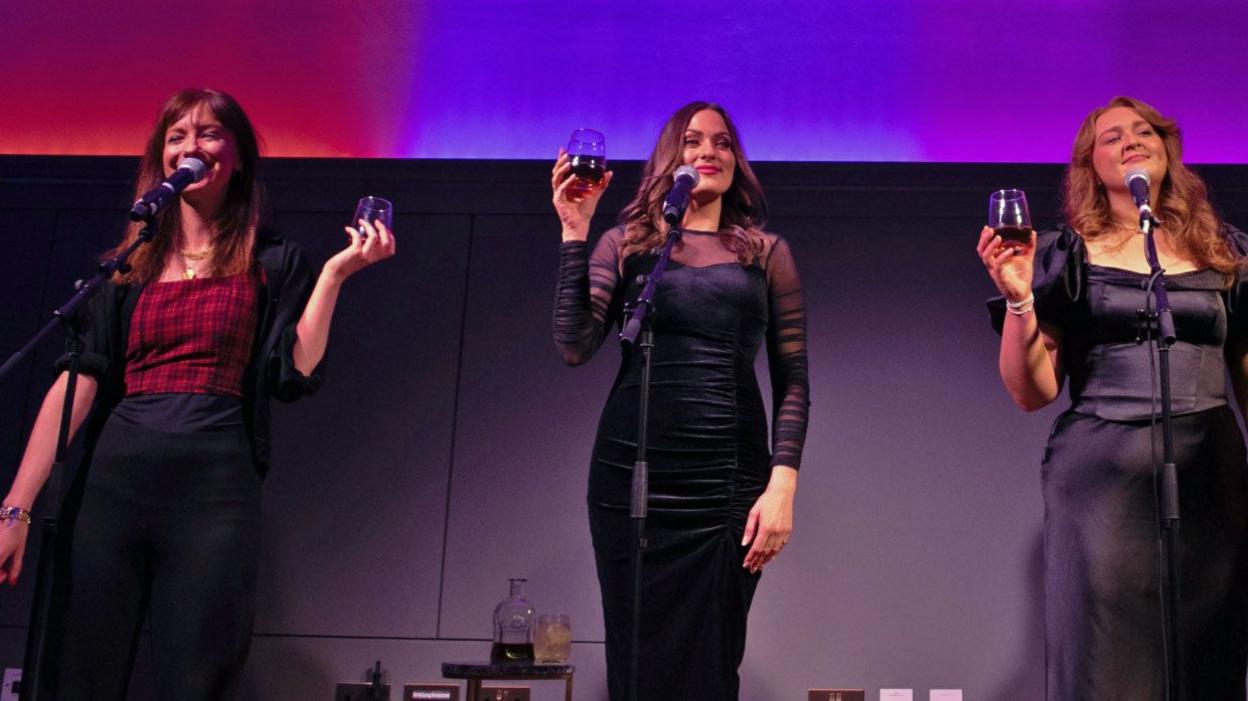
721 498
182 355
1069 309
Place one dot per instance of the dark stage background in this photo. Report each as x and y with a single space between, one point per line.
448 450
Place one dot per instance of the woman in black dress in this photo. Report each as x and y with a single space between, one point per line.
721 502
182 355
1069 310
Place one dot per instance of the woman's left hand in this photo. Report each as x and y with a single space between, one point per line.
370 243
770 522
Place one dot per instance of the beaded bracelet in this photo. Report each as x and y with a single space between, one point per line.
1022 306
14 513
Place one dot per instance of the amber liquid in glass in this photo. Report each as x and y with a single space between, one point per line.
1013 234
588 172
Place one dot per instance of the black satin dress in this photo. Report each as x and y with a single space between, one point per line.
1101 536
709 457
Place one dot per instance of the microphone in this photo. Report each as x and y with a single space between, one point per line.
1137 182
190 170
677 201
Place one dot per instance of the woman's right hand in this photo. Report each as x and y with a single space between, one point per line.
12 547
1011 266
575 207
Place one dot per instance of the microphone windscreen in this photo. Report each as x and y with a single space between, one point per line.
196 166
1137 174
687 171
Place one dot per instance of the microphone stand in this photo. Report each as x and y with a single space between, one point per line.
1161 320
68 315
640 323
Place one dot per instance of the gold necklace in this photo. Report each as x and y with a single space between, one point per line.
188 263
198 255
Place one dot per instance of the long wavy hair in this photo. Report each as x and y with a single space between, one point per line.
234 235
744 211
1192 228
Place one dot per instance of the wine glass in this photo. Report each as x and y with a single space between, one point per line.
587 154
1009 217
372 210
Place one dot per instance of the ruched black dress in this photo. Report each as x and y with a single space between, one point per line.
708 451
1101 535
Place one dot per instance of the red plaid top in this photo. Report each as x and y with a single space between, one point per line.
192 336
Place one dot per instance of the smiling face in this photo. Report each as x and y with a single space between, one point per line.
199 134
708 148
1124 140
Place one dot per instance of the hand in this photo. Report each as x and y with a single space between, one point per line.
770 522
574 207
12 547
370 243
1010 265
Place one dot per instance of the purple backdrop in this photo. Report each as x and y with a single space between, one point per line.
870 80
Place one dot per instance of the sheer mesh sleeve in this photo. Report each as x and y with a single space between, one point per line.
786 357
585 307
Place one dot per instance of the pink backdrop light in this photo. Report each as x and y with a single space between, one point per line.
853 80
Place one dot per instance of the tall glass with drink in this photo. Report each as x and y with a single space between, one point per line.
552 638
587 154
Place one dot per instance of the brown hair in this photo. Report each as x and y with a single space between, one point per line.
744 210
235 227
1184 209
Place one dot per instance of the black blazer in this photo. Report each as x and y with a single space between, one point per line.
287 284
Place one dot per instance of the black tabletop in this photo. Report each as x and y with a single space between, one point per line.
505 670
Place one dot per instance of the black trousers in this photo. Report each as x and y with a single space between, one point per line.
168 526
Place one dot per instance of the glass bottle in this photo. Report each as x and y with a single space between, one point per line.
513 627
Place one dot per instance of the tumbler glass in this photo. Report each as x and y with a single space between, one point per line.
587 153
552 637
1009 217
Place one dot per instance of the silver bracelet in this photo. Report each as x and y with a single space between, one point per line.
1022 306
1031 298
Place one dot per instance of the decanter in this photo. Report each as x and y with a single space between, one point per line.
513 627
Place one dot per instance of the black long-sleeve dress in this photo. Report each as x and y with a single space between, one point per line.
1103 619
708 452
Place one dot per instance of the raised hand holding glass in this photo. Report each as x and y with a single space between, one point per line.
372 209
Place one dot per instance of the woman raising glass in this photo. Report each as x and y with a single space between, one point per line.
1069 310
182 355
721 496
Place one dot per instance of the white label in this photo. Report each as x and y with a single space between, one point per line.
945 695
896 694
11 678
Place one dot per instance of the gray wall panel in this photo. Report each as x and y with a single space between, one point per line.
442 458
526 425
354 506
